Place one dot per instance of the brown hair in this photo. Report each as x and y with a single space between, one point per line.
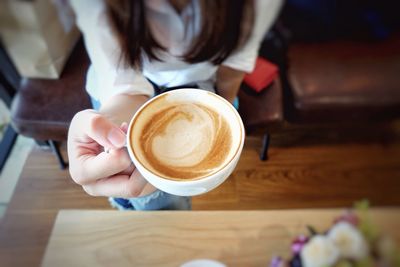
226 25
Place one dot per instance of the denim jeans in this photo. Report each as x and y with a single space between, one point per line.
157 200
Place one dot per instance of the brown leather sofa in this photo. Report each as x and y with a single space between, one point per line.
344 81
262 113
342 61
43 109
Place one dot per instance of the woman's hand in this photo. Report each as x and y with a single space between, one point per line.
98 160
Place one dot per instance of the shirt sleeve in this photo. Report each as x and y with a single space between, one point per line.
244 59
102 45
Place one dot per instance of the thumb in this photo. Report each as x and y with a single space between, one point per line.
124 127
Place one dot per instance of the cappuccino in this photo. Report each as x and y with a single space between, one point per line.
181 140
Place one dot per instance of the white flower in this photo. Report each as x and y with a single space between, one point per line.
349 241
319 252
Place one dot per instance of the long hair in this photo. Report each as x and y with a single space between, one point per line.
225 26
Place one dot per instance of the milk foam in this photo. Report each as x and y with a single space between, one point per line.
185 141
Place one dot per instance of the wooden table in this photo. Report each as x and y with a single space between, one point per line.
167 238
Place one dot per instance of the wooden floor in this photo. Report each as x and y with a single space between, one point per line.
307 168
312 167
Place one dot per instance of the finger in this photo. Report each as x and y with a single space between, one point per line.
129 170
124 127
118 186
91 124
94 167
136 183
111 187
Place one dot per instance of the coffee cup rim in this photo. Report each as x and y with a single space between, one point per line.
201 179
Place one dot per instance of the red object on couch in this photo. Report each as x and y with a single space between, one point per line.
263 75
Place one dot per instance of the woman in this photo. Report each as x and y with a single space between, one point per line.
139 48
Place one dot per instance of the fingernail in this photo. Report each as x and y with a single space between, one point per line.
124 127
116 137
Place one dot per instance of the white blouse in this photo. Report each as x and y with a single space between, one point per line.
107 77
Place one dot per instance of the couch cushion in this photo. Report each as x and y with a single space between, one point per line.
43 109
263 110
359 79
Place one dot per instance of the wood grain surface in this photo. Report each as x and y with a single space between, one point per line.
309 167
42 190
314 175
236 238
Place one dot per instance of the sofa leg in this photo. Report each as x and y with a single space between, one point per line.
56 151
265 146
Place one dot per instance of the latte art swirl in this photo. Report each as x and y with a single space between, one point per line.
185 141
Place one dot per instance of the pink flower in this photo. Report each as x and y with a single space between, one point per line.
349 217
277 262
298 244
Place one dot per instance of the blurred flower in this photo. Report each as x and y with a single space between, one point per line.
298 244
349 217
353 241
277 262
318 252
349 241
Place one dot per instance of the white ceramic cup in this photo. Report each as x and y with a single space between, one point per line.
207 183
